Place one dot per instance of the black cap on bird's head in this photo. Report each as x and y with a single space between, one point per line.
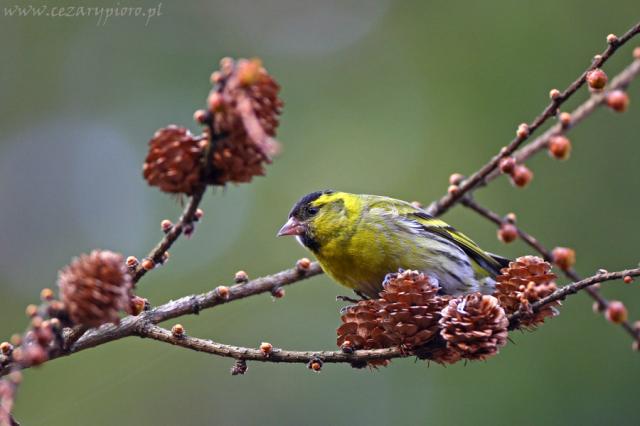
301 212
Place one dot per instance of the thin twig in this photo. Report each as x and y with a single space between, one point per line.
440 206
575 287
620 82
187 217
276 355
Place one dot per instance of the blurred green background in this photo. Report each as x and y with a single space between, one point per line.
381 97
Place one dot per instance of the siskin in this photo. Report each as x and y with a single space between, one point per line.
359 239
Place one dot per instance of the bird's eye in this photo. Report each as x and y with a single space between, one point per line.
312 210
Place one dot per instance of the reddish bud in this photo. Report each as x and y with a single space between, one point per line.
636 53
138 305
148 264
303 264
510 217
249 72
597 79
31 311
456 179
278 292
216 77
132 262
16 339
18 355
507 233
166 225
521 176
215 102
618 100
565 119
36 322
34 355
177 330
453 189
347 347
199 214
628 279
564 257
616 312
200 116
612 39
523 131
6 347
315 365
554 94
46 295
222 292
241 277
559 147
507 165
44 335
266 348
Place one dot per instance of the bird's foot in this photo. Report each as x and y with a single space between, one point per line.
346 299
361 295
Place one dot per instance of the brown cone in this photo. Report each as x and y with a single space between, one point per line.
95 288
361 329
412 309
245 108
174 160
525 281
474 325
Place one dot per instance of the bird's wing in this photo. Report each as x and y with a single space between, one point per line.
442 229
491 264
488 262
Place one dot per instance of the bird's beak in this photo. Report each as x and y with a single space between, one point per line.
292 227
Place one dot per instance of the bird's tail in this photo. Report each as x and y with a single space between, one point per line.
502 261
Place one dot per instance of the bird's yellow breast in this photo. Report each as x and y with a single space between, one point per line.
361 259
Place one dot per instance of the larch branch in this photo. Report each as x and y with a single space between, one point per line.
440 206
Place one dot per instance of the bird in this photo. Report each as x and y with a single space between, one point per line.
359 239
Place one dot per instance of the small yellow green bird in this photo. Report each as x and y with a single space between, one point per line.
359 239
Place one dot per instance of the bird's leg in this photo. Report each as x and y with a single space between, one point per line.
346 299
